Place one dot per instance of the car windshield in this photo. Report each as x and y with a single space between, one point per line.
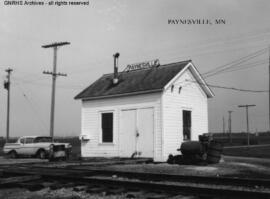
43 139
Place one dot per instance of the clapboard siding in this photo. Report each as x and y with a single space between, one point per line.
167 105
190 98
91 111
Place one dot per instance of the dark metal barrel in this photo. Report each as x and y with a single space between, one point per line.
191 147
214 152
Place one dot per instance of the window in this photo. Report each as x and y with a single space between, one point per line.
43 139
179 90
29 140
172 87
22 140
107 127
186 125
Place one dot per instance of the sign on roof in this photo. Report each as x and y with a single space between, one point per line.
143 65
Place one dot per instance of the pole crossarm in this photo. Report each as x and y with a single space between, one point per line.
248 105
9 70
55 44
55 74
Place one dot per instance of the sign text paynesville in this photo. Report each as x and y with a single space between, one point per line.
143 65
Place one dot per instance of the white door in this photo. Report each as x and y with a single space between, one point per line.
137 132
21 148
145 125
127 133
29 146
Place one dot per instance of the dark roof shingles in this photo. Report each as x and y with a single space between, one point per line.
133 81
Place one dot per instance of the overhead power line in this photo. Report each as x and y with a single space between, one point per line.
231 88
37 116
232 64
223 70
37 84
246 66
238 89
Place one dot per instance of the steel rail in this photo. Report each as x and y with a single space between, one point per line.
196 185
220 180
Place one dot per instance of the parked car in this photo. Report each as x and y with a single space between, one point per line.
37 146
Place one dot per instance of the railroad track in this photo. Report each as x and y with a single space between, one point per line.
218 187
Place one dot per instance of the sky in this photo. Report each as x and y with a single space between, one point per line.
140 31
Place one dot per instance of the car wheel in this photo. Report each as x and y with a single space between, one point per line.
41 154
12 154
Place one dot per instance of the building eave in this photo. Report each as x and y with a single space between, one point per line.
121 95
202 82
209 93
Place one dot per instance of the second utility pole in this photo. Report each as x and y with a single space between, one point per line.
7 86
230 125
269 89
246 106
54 75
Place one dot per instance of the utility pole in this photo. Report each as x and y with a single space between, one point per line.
230 125
7 86
223 121
247 106
269 89
54 74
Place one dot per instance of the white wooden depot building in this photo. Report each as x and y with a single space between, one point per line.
145 112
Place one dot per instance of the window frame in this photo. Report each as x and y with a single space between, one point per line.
37 139
22 140
26 140
190 127
101 130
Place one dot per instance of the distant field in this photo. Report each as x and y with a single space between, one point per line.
240 139
236 145
259 151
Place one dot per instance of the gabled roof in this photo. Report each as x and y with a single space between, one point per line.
134 82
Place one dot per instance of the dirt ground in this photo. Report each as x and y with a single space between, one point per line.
259 151
6 161
70 193
229 166
63 193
